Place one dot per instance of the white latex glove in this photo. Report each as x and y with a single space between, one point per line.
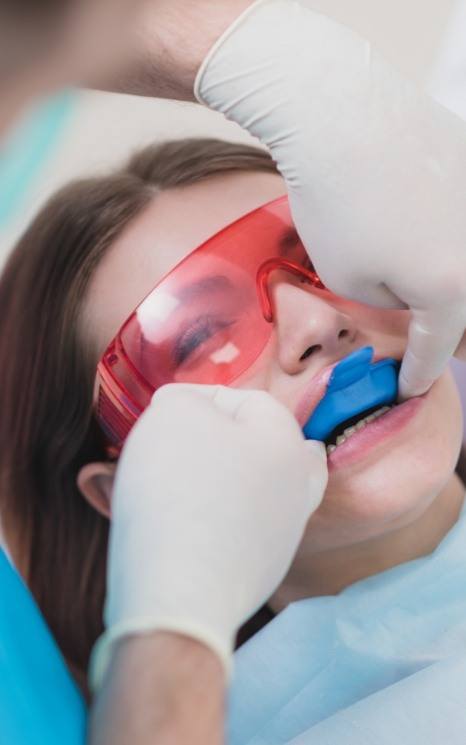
212 495
375 169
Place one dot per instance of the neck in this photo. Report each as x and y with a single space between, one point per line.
329 572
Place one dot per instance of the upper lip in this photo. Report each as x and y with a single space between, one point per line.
314 391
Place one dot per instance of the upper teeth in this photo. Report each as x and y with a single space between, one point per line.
359 425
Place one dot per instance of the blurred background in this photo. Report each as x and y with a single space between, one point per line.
423 38
105 127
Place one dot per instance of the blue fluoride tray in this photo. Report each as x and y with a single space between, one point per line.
356 385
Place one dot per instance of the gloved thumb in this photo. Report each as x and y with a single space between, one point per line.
256 408
318 471
227 400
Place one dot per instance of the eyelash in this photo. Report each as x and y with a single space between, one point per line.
202 330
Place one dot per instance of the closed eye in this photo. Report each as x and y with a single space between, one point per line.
203 329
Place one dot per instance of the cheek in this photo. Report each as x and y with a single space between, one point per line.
399 484
263 371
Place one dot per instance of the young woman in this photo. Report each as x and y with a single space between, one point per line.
88 259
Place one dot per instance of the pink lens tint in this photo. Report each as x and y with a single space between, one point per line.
207 321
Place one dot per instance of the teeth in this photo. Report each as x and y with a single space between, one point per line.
383 410
349 431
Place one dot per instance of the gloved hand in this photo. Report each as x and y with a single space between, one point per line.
375 169
212 495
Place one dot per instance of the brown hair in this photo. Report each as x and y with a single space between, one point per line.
47 430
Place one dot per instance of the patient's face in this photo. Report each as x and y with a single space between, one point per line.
373 487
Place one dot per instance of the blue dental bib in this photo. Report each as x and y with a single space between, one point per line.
356 385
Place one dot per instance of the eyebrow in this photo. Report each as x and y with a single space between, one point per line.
206 284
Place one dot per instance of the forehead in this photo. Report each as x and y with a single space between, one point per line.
174 223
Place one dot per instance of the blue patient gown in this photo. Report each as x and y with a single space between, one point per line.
382 662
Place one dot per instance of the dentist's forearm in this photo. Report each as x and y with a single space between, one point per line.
173 38
160 689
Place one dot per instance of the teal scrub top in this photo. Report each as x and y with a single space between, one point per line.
382 662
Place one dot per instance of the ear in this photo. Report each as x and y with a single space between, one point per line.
95 482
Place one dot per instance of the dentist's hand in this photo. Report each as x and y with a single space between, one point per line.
376 170
212 495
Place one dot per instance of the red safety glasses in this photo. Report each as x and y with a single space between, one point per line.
207 321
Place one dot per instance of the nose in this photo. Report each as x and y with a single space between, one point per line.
309 327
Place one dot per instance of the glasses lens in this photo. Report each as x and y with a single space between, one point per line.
204 322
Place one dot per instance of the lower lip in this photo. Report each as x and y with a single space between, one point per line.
360 444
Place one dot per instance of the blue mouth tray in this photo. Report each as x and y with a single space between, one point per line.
356 385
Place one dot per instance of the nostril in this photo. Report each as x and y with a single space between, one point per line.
343 333
309 351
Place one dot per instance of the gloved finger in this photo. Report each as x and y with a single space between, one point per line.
250 405
258 408
318 471
361 289
316 451
379 295
432 340
223 399
227 400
